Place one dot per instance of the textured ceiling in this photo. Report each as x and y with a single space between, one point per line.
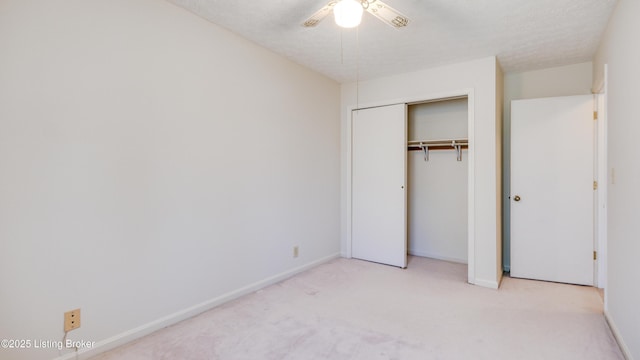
523 34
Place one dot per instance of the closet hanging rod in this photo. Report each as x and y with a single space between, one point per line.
436 147
450 144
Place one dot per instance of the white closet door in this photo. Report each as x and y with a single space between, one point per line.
552 189
378 195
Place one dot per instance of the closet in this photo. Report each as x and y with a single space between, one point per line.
437 179
410 181
476 87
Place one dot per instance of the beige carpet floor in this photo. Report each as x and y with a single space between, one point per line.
351 309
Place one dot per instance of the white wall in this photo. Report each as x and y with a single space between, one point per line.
437 188
619 49
151 164
559 81
480 76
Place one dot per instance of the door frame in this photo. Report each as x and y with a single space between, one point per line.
469 94
602 176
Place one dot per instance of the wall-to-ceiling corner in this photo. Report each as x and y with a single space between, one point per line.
152 166
620 52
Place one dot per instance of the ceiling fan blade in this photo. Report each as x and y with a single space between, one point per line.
320 14
387 14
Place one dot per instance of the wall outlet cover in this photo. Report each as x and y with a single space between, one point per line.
71 320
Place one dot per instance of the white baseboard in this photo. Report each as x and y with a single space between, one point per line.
618 336
435 256
133 334
491 284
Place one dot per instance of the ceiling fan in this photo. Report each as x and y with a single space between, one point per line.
348 13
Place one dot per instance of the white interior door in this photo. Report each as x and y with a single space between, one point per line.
378 189
552 195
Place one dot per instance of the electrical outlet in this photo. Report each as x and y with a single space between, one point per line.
71 320
295 251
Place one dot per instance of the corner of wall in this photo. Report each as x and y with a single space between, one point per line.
499 168
491 284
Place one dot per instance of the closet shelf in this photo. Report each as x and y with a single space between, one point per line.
450 144
445 144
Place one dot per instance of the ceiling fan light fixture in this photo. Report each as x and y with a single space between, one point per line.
348 13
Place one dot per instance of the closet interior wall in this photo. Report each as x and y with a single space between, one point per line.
438 187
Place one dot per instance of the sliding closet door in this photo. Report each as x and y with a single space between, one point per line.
378 193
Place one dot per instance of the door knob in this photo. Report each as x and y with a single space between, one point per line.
516 198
